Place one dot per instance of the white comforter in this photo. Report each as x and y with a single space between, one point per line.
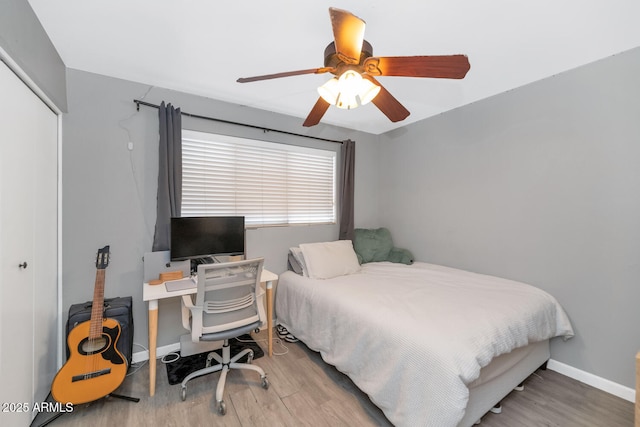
413 337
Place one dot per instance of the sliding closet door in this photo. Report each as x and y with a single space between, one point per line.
28 248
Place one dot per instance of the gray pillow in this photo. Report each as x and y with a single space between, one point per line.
294 265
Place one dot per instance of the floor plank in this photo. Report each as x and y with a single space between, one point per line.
305 391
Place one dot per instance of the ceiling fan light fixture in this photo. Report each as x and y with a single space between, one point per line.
349 83
368 91
346 101
345 91
330 91
348 87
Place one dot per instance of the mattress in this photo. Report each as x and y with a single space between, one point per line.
414 338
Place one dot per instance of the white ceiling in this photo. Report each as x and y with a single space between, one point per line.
203 46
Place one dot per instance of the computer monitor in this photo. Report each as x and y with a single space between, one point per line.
206 236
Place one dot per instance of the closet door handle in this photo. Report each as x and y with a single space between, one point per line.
23 265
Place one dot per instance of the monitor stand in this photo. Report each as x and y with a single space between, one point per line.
195 262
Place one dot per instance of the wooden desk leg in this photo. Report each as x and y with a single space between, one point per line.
270 317
153 339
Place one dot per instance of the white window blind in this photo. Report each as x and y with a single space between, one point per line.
268 183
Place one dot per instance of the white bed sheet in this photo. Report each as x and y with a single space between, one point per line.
413 337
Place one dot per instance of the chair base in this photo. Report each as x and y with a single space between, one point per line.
225 363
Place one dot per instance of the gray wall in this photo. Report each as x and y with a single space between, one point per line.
26 42
540 184
109 192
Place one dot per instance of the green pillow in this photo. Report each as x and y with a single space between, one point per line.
375 245
403 256
372 245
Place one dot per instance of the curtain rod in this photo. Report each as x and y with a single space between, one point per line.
146 104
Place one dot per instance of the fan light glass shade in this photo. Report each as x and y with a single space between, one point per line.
344 92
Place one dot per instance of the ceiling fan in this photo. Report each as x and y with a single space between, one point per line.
350 58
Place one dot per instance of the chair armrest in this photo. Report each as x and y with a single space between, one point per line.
186 305
191 317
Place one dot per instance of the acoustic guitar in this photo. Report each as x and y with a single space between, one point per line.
95 367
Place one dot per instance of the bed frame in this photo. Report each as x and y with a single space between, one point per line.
501 376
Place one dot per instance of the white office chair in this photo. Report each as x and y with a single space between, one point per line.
226 306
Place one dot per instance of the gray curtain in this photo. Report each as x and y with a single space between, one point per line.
169 174
346 193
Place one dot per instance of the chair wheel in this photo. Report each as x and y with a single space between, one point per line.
183 393
265 383
222 408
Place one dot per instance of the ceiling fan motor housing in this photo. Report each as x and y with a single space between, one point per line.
332 58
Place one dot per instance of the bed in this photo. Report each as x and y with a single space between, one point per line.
430 345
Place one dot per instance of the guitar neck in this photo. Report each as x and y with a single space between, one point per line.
97 310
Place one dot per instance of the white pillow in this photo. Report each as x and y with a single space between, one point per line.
330 259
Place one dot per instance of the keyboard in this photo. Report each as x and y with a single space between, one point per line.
180 284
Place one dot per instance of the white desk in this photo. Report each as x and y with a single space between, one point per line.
153 293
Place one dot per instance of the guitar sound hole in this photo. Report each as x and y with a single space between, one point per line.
95 345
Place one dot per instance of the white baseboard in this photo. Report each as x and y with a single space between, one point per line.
603 384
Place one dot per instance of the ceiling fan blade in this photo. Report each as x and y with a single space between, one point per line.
445 66
316 113
286 74
386 102
348 33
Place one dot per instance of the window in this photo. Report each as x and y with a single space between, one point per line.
268 183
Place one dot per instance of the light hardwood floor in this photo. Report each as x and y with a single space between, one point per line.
305 391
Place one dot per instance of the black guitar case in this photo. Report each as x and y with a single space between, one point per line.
118 308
